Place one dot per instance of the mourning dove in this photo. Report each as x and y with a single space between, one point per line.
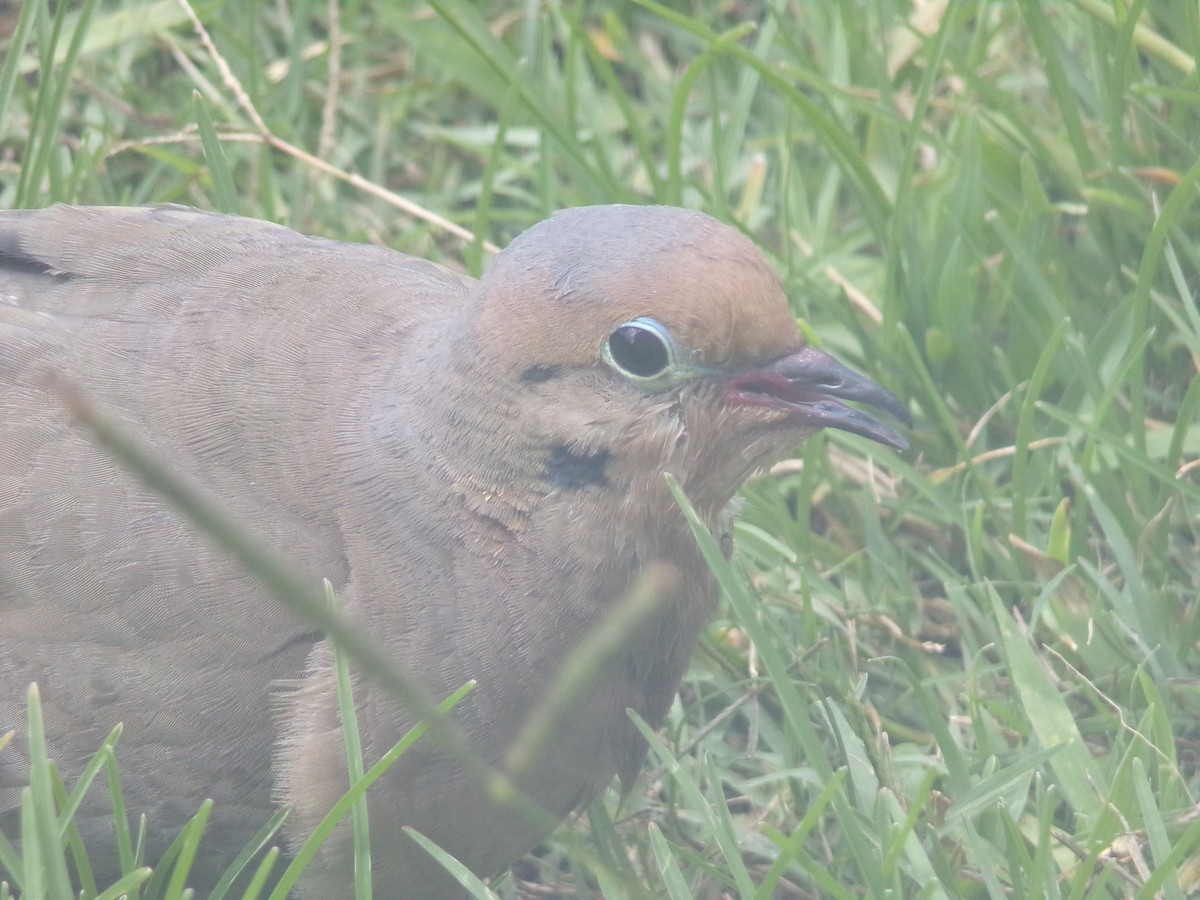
476 466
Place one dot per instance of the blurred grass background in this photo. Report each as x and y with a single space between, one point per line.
966 671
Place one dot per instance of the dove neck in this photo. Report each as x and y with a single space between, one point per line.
468 426
506 439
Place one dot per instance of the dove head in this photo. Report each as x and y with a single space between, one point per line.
661 337
576 277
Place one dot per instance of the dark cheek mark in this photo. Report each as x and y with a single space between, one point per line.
574 471
726 543
539 374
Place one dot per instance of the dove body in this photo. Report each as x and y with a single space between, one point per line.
477 468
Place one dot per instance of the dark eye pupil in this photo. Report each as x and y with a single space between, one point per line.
639 351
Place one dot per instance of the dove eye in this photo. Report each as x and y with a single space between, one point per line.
642 349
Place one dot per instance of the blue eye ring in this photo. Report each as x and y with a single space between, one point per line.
642 350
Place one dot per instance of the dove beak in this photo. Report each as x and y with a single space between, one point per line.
810 386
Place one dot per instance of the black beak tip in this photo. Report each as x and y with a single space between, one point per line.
897 441
890 404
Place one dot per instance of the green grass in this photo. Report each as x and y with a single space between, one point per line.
966 671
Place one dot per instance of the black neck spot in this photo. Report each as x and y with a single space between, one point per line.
573 470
